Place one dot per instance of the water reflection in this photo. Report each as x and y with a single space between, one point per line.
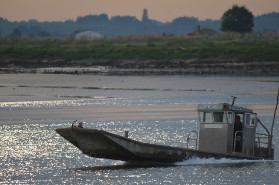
34 153
31 150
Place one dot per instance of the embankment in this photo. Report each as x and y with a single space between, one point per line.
222 54
190 67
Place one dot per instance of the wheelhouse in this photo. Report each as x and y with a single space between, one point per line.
218 130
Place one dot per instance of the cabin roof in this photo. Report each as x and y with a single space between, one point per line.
222 107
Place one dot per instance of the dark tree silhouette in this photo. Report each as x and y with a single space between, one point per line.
237 19
130 25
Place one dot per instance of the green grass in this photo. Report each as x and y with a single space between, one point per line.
243 48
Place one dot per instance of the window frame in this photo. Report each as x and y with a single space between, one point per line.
202 116
210 117
252 118
224 120
231 121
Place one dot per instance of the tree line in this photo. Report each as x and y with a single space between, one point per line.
128 25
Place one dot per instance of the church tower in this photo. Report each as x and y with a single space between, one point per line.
145 15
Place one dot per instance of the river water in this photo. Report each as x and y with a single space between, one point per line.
154 109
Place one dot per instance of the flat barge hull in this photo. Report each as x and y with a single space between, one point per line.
102 144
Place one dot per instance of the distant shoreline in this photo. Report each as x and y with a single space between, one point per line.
223 54
130 67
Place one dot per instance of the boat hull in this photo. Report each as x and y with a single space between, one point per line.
102 144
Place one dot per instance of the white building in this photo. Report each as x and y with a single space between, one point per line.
88 35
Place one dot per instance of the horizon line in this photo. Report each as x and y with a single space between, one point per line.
110 17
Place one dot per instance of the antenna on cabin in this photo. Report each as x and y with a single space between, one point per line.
233 99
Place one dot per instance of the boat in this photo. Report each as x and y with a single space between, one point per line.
217 138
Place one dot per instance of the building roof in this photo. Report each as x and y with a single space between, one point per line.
203 31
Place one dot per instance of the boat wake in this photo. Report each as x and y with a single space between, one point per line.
197 161
222 161
120 165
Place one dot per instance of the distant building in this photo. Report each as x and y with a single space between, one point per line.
88 35
145 15
202 32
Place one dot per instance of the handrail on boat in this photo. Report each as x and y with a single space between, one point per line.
193 135
259 137
269 134
73 124
263 126
79 124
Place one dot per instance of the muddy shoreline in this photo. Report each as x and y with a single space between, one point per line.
130 67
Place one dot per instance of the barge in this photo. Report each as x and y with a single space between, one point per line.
225 131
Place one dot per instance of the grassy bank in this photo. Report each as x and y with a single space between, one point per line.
161 52
247 47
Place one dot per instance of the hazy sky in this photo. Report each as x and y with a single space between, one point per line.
162 10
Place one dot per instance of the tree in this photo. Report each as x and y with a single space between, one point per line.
16 33
237 19
44 34
182 25
93 19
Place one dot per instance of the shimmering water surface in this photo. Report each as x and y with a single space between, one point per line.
155 109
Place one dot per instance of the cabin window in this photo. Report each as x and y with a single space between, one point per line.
230 117
250 119
205 117
247 119
253 119
219 117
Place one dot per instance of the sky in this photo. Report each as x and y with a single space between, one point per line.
161 10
